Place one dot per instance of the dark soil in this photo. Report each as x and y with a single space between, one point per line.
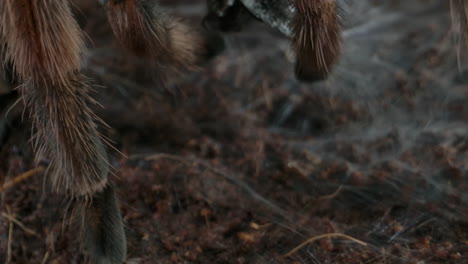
240 163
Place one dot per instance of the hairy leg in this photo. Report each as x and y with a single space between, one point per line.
44 46
148 31
316 38
102 224
313 25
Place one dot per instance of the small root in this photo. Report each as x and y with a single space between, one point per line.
46 257
312 239
10 240
21 178
332 195
19 224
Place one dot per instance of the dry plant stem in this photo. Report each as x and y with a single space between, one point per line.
326 197
10 240
21 225
310 240
332 195
20 178
46 257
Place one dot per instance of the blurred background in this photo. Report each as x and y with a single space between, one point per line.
241 163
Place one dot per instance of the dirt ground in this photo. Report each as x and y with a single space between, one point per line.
240 163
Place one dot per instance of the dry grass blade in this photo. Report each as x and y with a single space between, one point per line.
21 225
332 195
46 257
330 235
10 239
21 178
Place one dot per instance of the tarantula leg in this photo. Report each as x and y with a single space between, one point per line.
44 48
314 27
7 98
146 30
102 225
316 38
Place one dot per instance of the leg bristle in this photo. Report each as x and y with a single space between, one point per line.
192 47
147 31
43 43
316 38
44 49
102 225
65 134
42 37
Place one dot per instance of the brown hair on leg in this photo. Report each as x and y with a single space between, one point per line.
44 46
316 38
146 30
102 224
459 9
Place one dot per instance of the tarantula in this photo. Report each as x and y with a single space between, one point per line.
41 46
313 26
40 49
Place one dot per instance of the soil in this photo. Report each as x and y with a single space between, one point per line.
241 163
